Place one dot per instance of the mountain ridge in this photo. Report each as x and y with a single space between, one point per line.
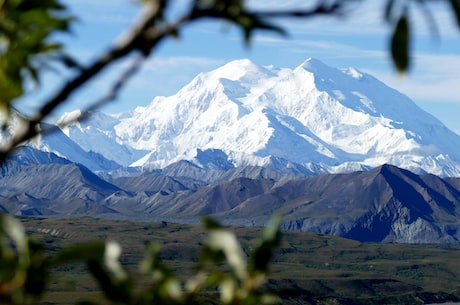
334 120
384 204
335 151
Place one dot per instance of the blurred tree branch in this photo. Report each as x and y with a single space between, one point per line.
152 28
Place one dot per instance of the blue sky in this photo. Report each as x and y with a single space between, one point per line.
359 39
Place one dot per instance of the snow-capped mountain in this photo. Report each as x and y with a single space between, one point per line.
314 115
54 141
63 146
97 134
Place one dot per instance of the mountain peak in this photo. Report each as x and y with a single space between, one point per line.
69 118
313 115
323 71
243 63
312 64
236 69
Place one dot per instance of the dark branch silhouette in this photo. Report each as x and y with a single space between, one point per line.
144 38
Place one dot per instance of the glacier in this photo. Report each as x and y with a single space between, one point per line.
316 116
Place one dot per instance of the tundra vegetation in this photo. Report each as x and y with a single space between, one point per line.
27 47
305 268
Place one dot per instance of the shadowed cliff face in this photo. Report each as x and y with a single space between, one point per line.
385 204
322 118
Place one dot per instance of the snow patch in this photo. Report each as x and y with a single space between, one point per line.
353 73
338 119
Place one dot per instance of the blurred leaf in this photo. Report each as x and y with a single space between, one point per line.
86 303
4 114
102 260
455 4
269 298
171 289
14 258
211 255
38 271
196 282
266 246
112 254
210 223
400 44
11 230
26 27
228 288
80 253
226 242
250 22
114 290
152 264
235 12
104 253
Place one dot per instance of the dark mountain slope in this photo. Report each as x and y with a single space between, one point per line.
67 188
384 204
222 197
154 182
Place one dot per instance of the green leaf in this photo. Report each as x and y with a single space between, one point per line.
265 247
235 12
112 254
151 262
11 231
400 44
102 261
117 291
228 287
80 253
26 31
106 253
210 223
14 258
38 271
222 240
455 4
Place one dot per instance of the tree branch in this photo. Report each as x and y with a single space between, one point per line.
110 96
133 41
143 37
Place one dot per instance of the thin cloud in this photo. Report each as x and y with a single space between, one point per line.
166 75
365 18
325 49
174 62
434 78
359 18
334 49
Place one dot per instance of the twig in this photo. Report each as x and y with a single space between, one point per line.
134 41
143 37
110 96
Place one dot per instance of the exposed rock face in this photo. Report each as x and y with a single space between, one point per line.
386 204
314 116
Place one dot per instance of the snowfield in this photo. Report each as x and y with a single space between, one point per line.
335 120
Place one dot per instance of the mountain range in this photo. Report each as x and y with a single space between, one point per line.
334 150
384 204
321 118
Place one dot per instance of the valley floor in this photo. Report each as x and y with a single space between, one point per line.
307 269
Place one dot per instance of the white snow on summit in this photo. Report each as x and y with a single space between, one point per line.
342 119
96 133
